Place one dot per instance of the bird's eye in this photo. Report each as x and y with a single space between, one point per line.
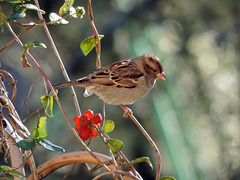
154 70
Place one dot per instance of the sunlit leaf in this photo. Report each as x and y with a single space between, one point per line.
167 178
115 145
66 6
47 103
4 168
56 19
26 144
50 146
80 11
142 159
88 44
14 1
35 44
33 7
108 126
42 127
3 18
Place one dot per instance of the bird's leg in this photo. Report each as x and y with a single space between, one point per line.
127 111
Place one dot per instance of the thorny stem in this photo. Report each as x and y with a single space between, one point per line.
150 141
59 59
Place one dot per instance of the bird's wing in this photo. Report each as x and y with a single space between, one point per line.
123 74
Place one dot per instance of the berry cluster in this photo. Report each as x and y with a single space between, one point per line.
85 124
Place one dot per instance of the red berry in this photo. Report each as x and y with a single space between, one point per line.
89 113
97 118
77 127
85 133
94 133
77 119
85 121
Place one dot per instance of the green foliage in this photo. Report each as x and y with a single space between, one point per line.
10 170
19 11
35 44
26 144
49 146
142 159
167 178
3 18
40 131
88 44
66 6
108 126
115 145
47 103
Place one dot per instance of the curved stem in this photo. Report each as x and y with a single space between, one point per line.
149 139
70 158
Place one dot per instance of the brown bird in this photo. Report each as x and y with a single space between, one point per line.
122 82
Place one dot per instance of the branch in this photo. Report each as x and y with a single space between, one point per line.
149 139
70 158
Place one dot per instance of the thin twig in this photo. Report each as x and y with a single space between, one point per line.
29 116
150 141
95 35
22 33
29 92
75 99
115 172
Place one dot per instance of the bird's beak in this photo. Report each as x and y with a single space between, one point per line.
161 76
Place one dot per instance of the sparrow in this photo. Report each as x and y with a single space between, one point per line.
122 82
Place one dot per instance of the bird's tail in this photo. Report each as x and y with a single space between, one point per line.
80 83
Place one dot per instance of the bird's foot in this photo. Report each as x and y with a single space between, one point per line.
127 111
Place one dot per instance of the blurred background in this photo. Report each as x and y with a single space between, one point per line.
193 116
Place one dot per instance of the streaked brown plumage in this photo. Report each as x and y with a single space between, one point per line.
122 82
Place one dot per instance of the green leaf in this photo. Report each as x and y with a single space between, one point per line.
56 19
142 159
47 102
3 18
42 127
50 146
33 7
17 174
108 126
115 145
80 11
167 178
14 1
41 130
35 132
88 44
18 12
16 16
4 168
66 6
35 44
26 144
